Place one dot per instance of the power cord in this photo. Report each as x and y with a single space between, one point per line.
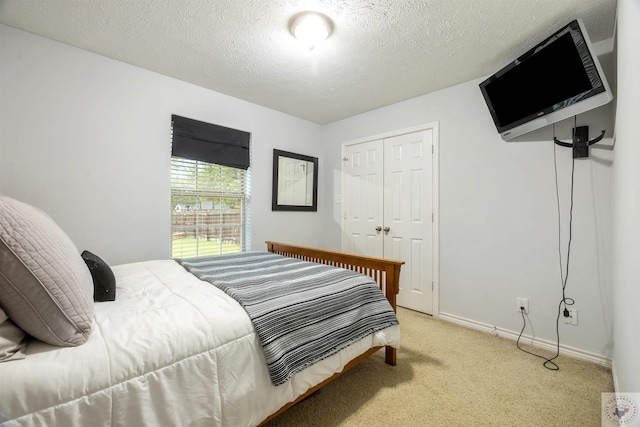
566 301
548 362
564 275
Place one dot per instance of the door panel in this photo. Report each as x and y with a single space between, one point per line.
407 213
363 199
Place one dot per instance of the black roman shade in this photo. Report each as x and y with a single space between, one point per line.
209 143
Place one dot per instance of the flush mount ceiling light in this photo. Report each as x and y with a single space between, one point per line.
311 28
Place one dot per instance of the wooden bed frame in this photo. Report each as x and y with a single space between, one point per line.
386 274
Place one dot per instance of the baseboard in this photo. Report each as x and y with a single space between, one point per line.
529 340
614 374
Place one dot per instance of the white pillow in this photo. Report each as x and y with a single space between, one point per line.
45 286
12 339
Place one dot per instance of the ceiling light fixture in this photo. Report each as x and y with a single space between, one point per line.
311 28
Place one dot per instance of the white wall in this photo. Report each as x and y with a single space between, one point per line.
86 139
626 201
498 217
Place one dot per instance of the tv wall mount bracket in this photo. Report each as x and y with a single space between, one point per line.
581 142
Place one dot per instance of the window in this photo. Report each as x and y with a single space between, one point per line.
208 208
210 211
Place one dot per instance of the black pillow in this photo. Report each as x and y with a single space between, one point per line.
104 282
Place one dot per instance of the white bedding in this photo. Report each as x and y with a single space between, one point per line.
170 351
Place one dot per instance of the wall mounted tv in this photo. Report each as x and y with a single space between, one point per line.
559 78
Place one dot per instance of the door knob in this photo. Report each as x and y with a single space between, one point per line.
386 229
378 229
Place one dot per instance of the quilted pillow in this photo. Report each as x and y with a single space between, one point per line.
45 287
12 340
104 282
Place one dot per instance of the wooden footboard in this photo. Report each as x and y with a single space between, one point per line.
385 272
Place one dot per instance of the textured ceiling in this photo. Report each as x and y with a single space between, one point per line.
381 51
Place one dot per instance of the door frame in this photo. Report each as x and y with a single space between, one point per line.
435 194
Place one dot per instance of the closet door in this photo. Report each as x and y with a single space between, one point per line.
363 199
388 209
408 209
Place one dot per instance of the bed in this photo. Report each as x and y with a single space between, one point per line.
173 350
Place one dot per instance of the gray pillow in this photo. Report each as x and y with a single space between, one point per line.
12 340
45 287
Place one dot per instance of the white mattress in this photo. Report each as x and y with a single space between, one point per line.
171 350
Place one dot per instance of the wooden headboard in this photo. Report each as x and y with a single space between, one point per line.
384 271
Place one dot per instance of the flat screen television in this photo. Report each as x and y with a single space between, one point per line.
558 78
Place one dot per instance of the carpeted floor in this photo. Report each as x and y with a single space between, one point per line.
448 375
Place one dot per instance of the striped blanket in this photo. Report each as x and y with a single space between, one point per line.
303 312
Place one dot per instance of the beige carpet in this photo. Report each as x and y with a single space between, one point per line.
448 375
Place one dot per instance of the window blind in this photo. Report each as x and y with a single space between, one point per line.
196 140
209 208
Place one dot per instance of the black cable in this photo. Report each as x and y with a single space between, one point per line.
548 362
564 276
566 301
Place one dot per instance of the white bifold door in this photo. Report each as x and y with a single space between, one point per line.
388 209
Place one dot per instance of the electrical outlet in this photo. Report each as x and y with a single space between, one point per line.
522 302
572 319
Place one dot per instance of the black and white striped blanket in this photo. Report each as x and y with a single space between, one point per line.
303 312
